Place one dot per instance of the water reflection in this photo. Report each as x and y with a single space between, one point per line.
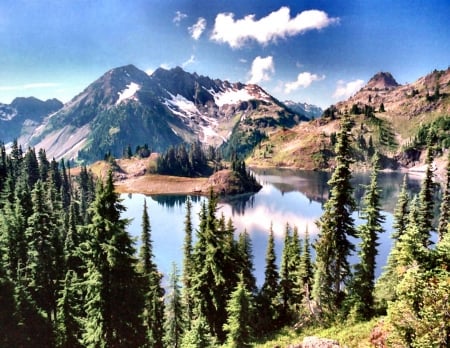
287 196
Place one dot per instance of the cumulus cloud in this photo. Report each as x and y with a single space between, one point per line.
198 28
347 89
179 16
275 25
262 69
304 80
190 61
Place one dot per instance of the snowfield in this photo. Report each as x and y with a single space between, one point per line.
128 93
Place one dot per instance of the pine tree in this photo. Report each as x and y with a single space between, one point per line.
401 212
445 205
336 226
306 273
364 277
211 281
42 267
426 201
240 316
153 313
187 264
113 300
286 276
267 299
69 313
245 250
174 324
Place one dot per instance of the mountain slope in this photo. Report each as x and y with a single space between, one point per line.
23 115
391 118
126 107
309 110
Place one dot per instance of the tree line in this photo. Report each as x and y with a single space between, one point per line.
70 275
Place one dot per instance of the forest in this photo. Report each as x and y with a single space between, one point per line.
71 275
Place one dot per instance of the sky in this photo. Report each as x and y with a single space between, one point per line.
317 52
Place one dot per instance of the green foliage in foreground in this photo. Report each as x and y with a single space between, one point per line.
347 333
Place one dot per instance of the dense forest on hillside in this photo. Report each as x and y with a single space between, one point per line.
70 275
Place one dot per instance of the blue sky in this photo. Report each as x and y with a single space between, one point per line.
311 51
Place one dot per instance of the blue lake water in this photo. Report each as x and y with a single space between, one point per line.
287 196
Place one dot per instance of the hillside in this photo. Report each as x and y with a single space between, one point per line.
391 118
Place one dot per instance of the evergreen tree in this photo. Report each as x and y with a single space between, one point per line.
336 227
401 212
187 264
113 298
306 273
239 322
426 201
69 313
245 250
153 313
42 267
445 205
364 277
267 299
174 324
211 279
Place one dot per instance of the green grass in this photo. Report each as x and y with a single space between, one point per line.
352 335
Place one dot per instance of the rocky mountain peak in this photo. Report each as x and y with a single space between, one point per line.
382 81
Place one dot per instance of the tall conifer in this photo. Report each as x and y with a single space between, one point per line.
113 293
336 225
364 277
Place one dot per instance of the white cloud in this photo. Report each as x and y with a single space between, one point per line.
198 28
150 71
347 89
243 60
191 60
262 69
179 16
277 24
304 79
29 86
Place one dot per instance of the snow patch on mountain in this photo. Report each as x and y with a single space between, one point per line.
128 93
180 106
231 96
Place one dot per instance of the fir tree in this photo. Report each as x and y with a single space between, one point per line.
336 226
306 273
426 201
68 324
113 294
211 280
267 299
401 212
239 322
187 264
245 250
445 205
174 324
153 313
42 266
364 277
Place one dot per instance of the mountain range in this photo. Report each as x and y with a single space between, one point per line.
126 107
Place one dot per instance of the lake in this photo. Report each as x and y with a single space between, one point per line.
287 196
